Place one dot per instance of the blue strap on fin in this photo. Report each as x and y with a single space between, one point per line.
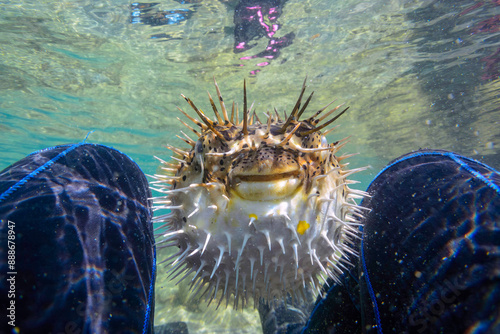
461 160
151 295
370 290
28 177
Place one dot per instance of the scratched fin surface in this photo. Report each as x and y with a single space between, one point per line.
432 246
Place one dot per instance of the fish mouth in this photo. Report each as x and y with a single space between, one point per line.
265 187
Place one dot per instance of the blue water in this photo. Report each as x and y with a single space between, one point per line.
415 73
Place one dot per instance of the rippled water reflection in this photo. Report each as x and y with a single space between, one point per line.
415 73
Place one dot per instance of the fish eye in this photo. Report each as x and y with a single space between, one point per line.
199 147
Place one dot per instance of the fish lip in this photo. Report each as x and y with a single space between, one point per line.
266 177
266 187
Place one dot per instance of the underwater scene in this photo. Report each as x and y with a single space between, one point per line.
415 74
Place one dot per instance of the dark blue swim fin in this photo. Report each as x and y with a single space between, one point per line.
77 250
430 260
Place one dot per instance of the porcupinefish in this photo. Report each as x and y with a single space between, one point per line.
258 209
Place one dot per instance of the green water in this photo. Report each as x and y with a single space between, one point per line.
415 74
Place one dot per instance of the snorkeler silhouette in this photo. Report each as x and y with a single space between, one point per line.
253 20
256 19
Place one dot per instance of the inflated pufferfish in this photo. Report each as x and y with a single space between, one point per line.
258 209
